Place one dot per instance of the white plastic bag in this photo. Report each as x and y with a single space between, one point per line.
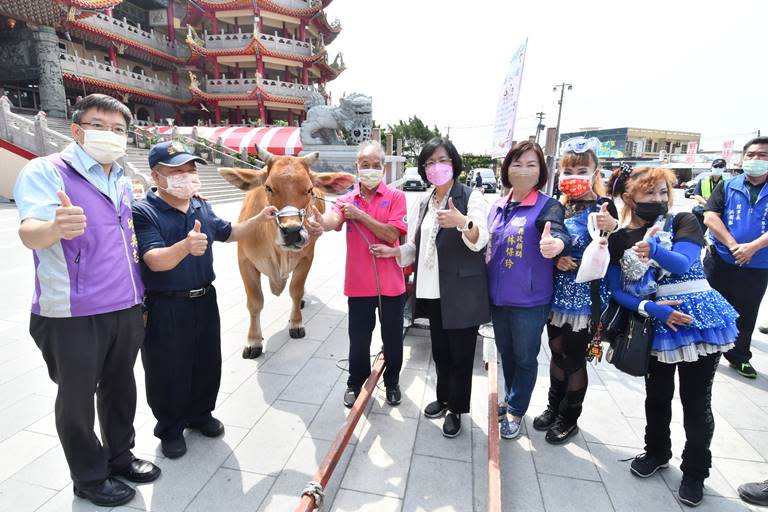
594 262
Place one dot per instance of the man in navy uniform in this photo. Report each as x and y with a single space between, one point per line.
182 347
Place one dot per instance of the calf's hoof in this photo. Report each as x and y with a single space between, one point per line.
297 332
303 303
252 352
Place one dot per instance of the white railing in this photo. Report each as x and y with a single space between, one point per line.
228 41
246 85
286 45
153 39
30 134
95 69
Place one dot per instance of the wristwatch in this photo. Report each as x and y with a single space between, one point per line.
641 308
467 226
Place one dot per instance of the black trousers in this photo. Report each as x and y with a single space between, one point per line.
182 360
696 396
87 355
453 351
744 289
362 320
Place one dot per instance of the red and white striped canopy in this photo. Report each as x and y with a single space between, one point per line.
278 140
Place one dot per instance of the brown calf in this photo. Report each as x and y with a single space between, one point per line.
277 249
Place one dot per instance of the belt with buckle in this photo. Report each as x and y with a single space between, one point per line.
184 294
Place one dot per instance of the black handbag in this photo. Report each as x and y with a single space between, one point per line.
630 335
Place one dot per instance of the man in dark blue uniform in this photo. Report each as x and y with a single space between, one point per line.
182 347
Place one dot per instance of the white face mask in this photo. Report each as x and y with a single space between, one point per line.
104 146
370 178
183 185
716 171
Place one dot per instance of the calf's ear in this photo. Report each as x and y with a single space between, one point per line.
332 182
244 179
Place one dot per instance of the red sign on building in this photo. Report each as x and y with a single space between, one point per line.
692 147
727 150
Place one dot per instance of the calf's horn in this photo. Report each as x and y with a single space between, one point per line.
311 158
264 155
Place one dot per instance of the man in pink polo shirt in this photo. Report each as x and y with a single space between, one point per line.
378 213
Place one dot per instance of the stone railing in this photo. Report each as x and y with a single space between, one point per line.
103 71
286 45
30 134
152 39
246 85
229 41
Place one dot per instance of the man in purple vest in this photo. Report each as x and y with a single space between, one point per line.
75 209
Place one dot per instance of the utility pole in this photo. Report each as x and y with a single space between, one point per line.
540 126
551 180
448 135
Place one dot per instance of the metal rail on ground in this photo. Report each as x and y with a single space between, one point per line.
494 471
312 496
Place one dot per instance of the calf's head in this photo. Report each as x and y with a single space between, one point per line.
290 186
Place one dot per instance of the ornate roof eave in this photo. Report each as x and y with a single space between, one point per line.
329 30
328 71
267 5
252 48
122 89
109 36
255 94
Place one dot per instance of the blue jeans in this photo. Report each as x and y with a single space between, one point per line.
518 340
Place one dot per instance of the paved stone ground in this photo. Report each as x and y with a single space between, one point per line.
282 411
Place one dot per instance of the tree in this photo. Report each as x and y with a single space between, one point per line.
477 161
414 134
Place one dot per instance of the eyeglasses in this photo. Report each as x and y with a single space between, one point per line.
117 129
441 161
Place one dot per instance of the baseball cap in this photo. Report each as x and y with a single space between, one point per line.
719 162
171 154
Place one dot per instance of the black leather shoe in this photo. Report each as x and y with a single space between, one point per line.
174 447
545 420
210 428
755 493
109 493
394 397
435 409
560 431
350 395
139 472
452 425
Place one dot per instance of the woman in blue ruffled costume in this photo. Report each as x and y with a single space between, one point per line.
571 327
658 255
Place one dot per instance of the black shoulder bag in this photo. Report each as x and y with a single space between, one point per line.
630 335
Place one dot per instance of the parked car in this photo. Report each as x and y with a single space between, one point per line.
412 180
489 179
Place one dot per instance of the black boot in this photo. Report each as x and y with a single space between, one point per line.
556 395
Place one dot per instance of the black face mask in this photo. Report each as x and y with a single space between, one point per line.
649 212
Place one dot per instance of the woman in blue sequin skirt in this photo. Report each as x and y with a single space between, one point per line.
693 324
570 323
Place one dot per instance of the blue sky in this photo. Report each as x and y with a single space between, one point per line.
677 65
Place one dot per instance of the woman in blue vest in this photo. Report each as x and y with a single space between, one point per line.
570 327
526 232
693 324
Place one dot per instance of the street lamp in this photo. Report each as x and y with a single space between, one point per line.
551 181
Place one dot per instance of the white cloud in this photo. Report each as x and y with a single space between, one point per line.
678 65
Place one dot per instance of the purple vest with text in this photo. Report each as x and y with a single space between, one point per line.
518 275
102 265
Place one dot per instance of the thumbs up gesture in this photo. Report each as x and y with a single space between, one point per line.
604 220
451 217
315 223
549 245
69 221
196 241
643 247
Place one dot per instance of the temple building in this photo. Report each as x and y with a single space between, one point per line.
252 62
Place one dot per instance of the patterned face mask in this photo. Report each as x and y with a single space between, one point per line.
575 186
183 185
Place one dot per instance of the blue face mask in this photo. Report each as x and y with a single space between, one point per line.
755 167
